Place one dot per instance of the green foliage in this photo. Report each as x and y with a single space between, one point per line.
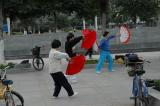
2 66
157 85
87 8
118 11
17 33
91 61
10 64
145 9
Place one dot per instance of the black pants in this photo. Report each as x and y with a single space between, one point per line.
61 81
90 52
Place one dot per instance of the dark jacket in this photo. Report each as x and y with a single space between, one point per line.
70 44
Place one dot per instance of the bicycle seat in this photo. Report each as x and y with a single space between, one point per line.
139 73
7 82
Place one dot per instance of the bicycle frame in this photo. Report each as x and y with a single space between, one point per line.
139 88
139 85
4 88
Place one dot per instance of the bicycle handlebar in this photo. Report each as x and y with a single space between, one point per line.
140 62
3 77
6 68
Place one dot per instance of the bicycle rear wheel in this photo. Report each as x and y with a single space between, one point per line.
38 63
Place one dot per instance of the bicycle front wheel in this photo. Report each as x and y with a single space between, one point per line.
141 101
38 63
9 100
14 99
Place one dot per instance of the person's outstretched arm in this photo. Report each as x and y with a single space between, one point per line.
111 37
61 55
76 40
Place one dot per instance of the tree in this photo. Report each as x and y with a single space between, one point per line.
104 9
1 19
144 9
24 10
1 33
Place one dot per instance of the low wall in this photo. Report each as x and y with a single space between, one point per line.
154 97
142 39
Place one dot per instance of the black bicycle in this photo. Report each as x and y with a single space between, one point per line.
37 61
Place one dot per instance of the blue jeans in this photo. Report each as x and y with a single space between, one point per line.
103 56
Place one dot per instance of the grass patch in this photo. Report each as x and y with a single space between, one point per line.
91 61
17 33
94 61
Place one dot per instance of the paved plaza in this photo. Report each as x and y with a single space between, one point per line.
105 89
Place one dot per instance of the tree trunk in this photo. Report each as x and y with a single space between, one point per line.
84 24
55 20
34 29
96 24
103 22
1 20
104 8
9 25
38 26
2 60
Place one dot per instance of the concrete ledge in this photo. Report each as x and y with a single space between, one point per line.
154 97
21 68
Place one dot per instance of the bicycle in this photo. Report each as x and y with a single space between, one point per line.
10 97
37 61
139 88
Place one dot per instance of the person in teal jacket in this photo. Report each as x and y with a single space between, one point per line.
104 48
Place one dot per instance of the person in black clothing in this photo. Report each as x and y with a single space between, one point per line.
89 52
70 43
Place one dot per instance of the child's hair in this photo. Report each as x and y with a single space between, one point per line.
105 33
69 36
55 43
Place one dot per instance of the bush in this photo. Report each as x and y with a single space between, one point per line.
10 64
2 66
17 33
157 85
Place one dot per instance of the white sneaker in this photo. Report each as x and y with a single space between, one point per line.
73 78
98 72
75 94
74 81
54 97
112 71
